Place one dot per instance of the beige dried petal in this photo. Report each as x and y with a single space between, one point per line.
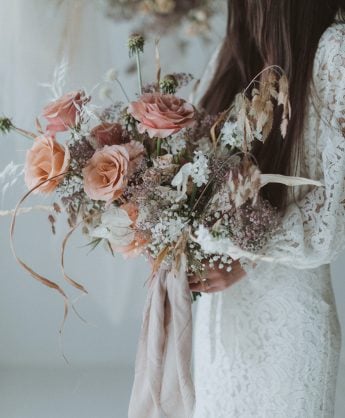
244 183
283 89
283 127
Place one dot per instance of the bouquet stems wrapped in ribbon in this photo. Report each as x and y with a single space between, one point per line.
158 176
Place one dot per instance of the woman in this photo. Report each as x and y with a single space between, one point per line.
267 338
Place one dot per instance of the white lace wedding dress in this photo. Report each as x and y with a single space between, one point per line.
268 347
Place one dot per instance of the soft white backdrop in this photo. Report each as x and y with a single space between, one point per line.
34 380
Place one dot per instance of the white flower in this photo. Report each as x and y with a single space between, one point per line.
115 226
168 230
180 181
169 194
198 170
231 135
212 245
175 145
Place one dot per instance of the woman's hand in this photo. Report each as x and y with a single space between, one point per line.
216 279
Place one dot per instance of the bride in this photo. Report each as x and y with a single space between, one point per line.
267 337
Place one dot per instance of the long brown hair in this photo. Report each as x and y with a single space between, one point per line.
261 33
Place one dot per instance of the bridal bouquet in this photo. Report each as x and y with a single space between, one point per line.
159 177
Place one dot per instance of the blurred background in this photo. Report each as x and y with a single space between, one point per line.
35 381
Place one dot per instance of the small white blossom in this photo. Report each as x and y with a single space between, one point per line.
111 75
231 135
168 230
105 93
200 170
175 145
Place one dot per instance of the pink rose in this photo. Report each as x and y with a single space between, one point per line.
64 113
107 172
137 245
107 134
105 175
46 159
161 115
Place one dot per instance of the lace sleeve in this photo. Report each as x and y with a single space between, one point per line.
314 228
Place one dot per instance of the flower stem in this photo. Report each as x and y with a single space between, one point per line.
159 145
24 133
122 89
140 80
193 196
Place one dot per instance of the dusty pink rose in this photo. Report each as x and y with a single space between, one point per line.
161 115
105 175
107 134
137 245
107 172
46 159
64 112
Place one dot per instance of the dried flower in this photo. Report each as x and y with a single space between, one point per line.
81 152
169 84
52 221
5 125
244 183
252 226
136 44
164 6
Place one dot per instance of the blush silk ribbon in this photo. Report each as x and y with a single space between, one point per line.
163 386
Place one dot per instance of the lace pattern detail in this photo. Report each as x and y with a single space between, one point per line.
268 347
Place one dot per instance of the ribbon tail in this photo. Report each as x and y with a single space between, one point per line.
163 385
177 394
145 397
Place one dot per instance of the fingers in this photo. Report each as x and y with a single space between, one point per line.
192 278
217 279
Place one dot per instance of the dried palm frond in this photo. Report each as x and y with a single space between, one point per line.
244 183
257 113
